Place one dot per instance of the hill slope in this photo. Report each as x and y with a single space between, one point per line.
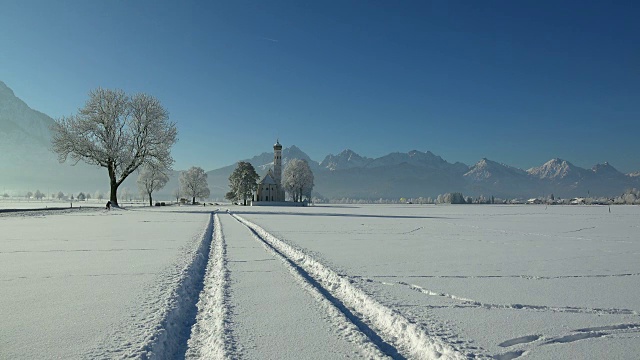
26 161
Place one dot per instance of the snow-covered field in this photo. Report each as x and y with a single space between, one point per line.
80 283
374 281
37 204
13 204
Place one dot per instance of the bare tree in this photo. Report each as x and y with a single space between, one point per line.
38 195
297 179
29 195
152 179
194 183
60 195
177 194
116 132
125 193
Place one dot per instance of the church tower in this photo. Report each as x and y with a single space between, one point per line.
277 162
270 187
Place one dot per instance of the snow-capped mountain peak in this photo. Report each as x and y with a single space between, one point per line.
344 160
605 168
349 154
486 169
553 169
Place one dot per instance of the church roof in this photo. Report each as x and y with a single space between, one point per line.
268 179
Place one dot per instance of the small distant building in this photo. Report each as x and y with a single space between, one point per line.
577 201
534 201
270 187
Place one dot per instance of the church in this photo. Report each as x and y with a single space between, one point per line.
270 187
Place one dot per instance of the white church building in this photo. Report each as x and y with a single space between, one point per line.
270 190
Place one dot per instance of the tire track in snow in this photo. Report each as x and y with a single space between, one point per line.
594 332
478 304
505 232
391 332
520 340
526 344
169 340
411 231
209 335
524 277
531 342
342 323
581 229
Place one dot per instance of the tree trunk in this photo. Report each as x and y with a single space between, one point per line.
193 202
113 186
114 193
150 200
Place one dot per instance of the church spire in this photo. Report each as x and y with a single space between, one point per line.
277 162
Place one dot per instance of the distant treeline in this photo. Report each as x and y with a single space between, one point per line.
629 197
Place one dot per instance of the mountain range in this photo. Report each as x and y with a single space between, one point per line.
417 173
26 164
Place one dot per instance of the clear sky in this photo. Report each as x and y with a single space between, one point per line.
519 82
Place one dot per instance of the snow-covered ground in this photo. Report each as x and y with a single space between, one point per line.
548 282
43 204
372 281
91 283
24 204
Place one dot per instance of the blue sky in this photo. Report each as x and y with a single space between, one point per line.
518 82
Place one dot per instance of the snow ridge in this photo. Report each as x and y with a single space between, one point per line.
170 338
410 340
208 333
